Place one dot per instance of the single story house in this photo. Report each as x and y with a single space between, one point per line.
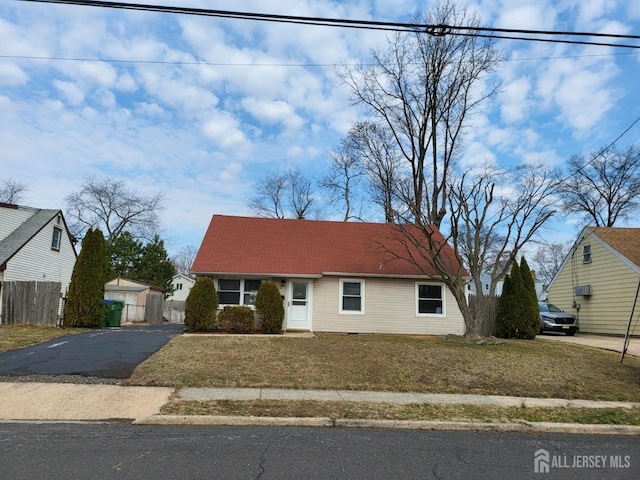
142 303
333 276
599 279
35 245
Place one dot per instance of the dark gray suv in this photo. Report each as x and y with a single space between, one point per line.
553 319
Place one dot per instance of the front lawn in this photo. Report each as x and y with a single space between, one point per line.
19 336
393 363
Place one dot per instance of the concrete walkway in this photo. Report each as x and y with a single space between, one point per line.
598 341
400 398
65 401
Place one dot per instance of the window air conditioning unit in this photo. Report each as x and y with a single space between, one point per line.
583 290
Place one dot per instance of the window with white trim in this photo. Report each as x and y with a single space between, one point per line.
57 238
429 299
352 296
586 254
234 291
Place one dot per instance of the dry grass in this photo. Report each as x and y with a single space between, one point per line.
19 336
393 363
385 411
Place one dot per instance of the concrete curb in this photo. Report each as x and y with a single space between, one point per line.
527 427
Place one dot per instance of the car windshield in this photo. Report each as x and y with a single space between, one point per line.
548 307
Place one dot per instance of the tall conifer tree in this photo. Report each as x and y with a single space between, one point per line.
84 306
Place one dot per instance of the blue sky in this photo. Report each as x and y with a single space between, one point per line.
269 98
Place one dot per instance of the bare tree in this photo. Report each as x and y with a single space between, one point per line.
605 188
548 259
494 214
12 191
279 194
269 198
184 258
377 152
300 194
424 87
108 204
342 181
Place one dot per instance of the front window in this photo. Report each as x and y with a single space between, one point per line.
57 238
586 254
429 299
352 296
233 291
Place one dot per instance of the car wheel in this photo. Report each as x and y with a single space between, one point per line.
570 334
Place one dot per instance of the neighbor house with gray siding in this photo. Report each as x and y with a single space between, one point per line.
348 277
599 279
35 245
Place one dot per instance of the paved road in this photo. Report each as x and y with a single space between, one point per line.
117 450
105 353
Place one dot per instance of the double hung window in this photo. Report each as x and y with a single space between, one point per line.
233 291
429 299
352 296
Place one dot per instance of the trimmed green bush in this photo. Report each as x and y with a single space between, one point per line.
236 320
530 312
270 308
505 315
201 306
517 315
84 306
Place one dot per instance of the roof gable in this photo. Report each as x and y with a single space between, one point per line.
283 247
19 237
625 241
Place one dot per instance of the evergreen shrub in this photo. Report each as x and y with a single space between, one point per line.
201 306
270 308
517 315
236 320
84 306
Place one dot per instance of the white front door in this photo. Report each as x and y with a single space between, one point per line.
298 305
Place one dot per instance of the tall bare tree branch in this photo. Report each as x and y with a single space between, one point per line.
107 204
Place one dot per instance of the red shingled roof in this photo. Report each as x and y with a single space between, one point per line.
267 246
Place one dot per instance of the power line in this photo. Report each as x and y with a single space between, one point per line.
437 30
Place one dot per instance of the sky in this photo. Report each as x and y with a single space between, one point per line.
203 108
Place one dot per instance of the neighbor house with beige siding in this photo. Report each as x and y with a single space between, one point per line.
599 279
35 245
348 277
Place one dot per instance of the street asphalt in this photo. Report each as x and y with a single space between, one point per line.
27 401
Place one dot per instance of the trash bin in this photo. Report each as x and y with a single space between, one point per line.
118 306
113 312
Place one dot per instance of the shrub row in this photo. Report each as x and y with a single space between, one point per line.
201 313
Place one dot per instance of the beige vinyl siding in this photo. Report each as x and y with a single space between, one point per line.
613 285
390 307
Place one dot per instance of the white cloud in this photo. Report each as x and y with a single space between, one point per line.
273 112
11 74
515 100
73 93
224 130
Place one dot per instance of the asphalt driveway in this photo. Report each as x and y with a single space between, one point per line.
104 353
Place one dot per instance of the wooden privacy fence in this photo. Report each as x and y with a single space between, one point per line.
31 303
174 310
488 324
153 309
